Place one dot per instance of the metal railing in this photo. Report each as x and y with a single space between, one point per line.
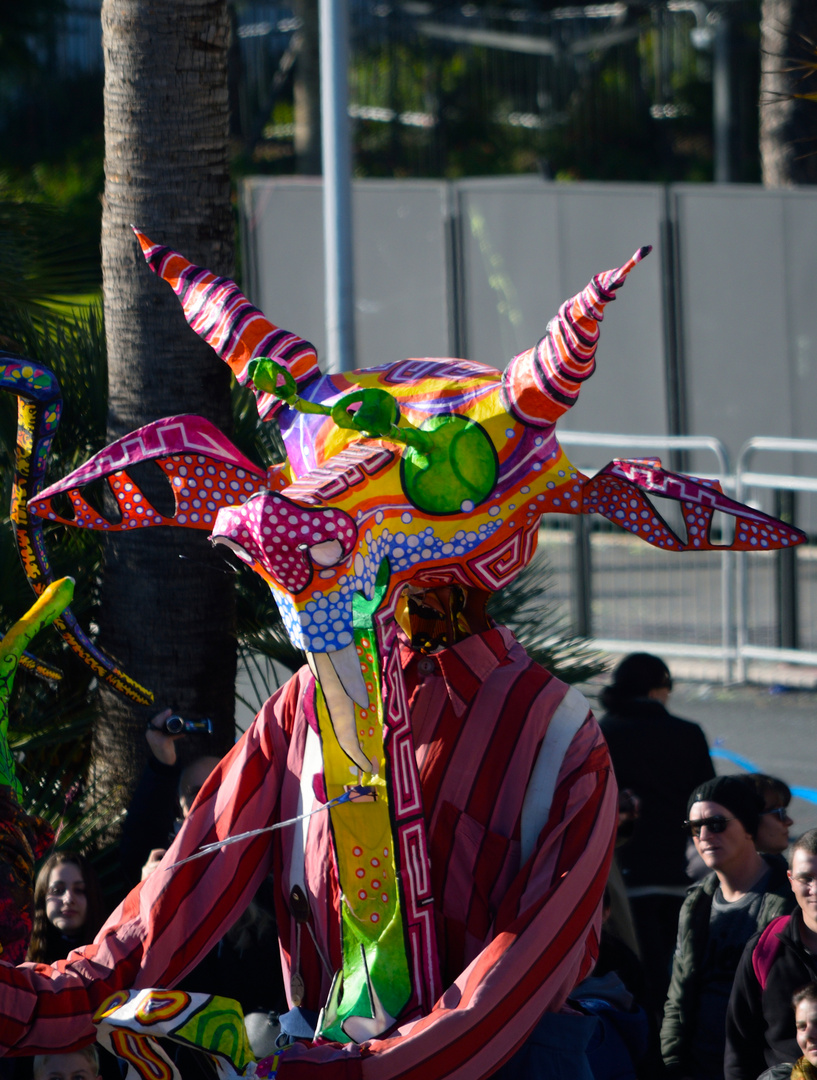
693 624
787 578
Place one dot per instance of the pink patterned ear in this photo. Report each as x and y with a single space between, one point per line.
205 471
616 492
219 312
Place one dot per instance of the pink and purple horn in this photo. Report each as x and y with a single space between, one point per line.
542 383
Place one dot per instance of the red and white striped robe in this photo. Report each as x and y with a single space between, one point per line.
517 886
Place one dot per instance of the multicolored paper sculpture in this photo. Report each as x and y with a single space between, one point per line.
39 406
428 472
129 1023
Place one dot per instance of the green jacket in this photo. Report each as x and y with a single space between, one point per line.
681 1008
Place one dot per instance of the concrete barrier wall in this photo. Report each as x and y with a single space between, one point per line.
715 333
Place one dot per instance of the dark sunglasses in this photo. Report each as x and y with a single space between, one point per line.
780 812
717 824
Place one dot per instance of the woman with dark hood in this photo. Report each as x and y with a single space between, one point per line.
659 758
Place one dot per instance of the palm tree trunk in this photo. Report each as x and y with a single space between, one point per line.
166 613
788 127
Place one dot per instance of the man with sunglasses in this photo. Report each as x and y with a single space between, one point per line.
778 961
741 895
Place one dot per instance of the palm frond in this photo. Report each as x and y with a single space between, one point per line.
42 260
524 607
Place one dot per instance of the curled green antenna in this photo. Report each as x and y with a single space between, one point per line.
377 415
449 464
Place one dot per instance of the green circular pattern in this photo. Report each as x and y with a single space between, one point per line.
460 466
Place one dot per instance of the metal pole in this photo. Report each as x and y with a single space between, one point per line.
337 185
583 577
787 591
722 98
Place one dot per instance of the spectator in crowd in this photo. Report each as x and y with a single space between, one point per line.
68 911
163 798
760 1029
81 1065
68 907
742 893
659 758
773 831
805 1022
804 1004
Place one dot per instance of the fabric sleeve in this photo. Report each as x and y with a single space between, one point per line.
545 941
675 1029
170 921
744 1057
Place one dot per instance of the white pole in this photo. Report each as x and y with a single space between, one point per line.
337 185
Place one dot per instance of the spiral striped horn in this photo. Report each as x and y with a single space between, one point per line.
219 312
542 383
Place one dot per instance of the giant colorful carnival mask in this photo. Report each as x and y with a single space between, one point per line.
433 472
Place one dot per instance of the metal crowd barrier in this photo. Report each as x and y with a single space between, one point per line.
789 594
707 611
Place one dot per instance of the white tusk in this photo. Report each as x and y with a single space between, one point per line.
341 708
347 665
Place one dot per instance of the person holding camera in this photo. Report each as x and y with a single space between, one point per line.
162 799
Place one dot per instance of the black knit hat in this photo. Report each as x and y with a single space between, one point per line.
736 796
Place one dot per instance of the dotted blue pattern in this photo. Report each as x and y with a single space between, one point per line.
324 623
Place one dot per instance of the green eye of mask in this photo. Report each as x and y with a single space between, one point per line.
448 463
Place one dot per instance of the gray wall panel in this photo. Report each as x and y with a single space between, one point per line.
511 266
733 312
528 247
602 225
401 270
283 254
800 222
401 263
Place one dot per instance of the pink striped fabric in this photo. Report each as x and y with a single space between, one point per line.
514 938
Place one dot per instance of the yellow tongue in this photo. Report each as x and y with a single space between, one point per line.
375 980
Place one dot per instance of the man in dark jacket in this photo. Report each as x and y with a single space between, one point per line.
778 961
743 894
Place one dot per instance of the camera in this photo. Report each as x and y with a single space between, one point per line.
177 725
